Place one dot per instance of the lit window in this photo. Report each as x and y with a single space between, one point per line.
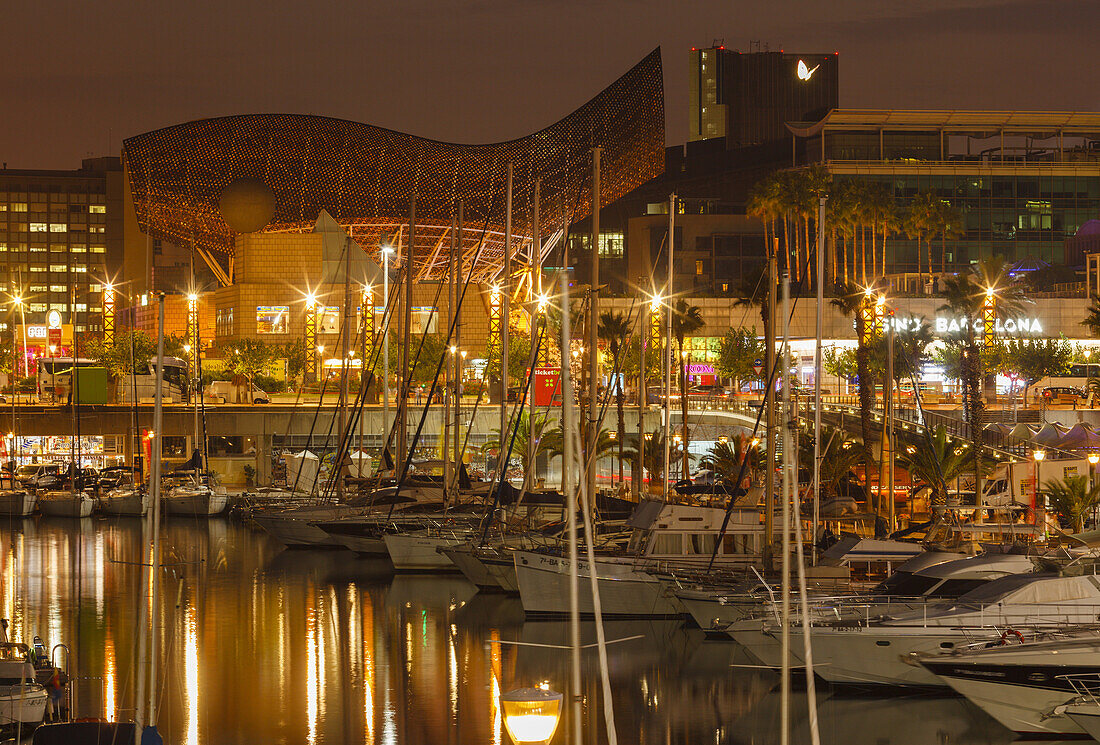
328 320
99 249
3 207
18 206
59 227
78 248
37 307
611 244
38 288
81 307
95 287
58 288
699 267
3 246
97 229
425 319
80 268
38 227
58 268
725 287
97 209
270 319
38 249
223 322
38 268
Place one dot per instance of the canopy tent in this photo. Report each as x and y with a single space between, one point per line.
1049 434
1022 432
301 471
1078 437
998 428
362 465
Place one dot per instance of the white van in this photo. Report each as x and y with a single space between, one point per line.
226 392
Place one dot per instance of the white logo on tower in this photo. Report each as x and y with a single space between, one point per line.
805 73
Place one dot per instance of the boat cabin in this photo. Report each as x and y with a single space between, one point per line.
667 532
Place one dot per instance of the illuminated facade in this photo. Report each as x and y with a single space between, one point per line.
364 177
57 229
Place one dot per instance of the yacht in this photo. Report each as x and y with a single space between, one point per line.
1034 687
22 698
418 550
194 497
664 537
17 502
875 650
125 500
66 503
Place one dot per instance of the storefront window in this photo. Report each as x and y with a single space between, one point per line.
424 319
223 322
272 319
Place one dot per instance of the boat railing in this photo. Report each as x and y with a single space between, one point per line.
1085 685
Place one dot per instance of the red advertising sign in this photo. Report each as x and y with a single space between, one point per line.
547 386
55 337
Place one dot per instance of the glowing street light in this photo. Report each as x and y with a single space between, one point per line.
531 715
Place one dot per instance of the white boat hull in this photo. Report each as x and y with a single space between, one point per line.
471 566
624 591
1087 717
709 611
760 645
17 503
204 504
297 528
411 552
125 503
25 705
370 545
1020 708
61 504
876 655
503 572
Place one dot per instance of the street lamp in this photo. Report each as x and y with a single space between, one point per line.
531 715
1038 456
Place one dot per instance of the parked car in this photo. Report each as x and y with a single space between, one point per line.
37 475
113 477
1062 395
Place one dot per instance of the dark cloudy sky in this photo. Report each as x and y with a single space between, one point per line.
79 76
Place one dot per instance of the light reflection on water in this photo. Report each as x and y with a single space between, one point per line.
264 645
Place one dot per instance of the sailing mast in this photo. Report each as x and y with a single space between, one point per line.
506 296
668 345
406 336
448 388
535 251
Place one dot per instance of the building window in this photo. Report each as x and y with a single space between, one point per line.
223 322
99 249
18 206
59 268
97 209
38 268
40 288
80 268
59 227
699 266
58 288
328 320
611 244
37 307
97 229
38 227
271 319
424 319
78 248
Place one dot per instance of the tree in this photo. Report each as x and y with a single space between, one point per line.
614 329
686 320
1072 499
545 441
918 222
1033 359
737 351
655 454
936 460
948 221
128 353
1092 318
725 458
838 458
246 359
840 362
294 352
850 301
519 356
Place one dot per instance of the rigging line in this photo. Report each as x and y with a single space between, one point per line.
770 383
487 519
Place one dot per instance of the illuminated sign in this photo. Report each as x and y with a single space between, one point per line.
946 325
37 332
53 319
699 369
805 73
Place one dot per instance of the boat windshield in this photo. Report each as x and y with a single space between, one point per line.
906 584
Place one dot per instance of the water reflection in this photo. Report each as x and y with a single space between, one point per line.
263 645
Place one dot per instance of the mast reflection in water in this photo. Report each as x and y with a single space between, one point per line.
263 645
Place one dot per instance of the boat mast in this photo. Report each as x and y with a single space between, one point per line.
155 454
668 345
535 292
817 370
505 301
457 361
594 333
406 336
569 427
448 388
790 420
341 468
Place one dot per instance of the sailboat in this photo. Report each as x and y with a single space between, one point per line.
132 498
191 493
73 501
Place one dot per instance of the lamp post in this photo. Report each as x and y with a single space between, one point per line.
1040 512
310 371
531 715
1094 458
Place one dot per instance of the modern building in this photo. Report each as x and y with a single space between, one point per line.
1025 181
747 98
60 234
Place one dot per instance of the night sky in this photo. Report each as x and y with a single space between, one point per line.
78 77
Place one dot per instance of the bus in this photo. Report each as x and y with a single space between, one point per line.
55 380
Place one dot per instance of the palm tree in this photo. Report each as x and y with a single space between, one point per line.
726 457
918 223
686 320
949 222
936 460
1072 499
1092 318
545 441
850 301
614 330
654 454
838 458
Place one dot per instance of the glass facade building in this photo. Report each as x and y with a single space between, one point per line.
1024 182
